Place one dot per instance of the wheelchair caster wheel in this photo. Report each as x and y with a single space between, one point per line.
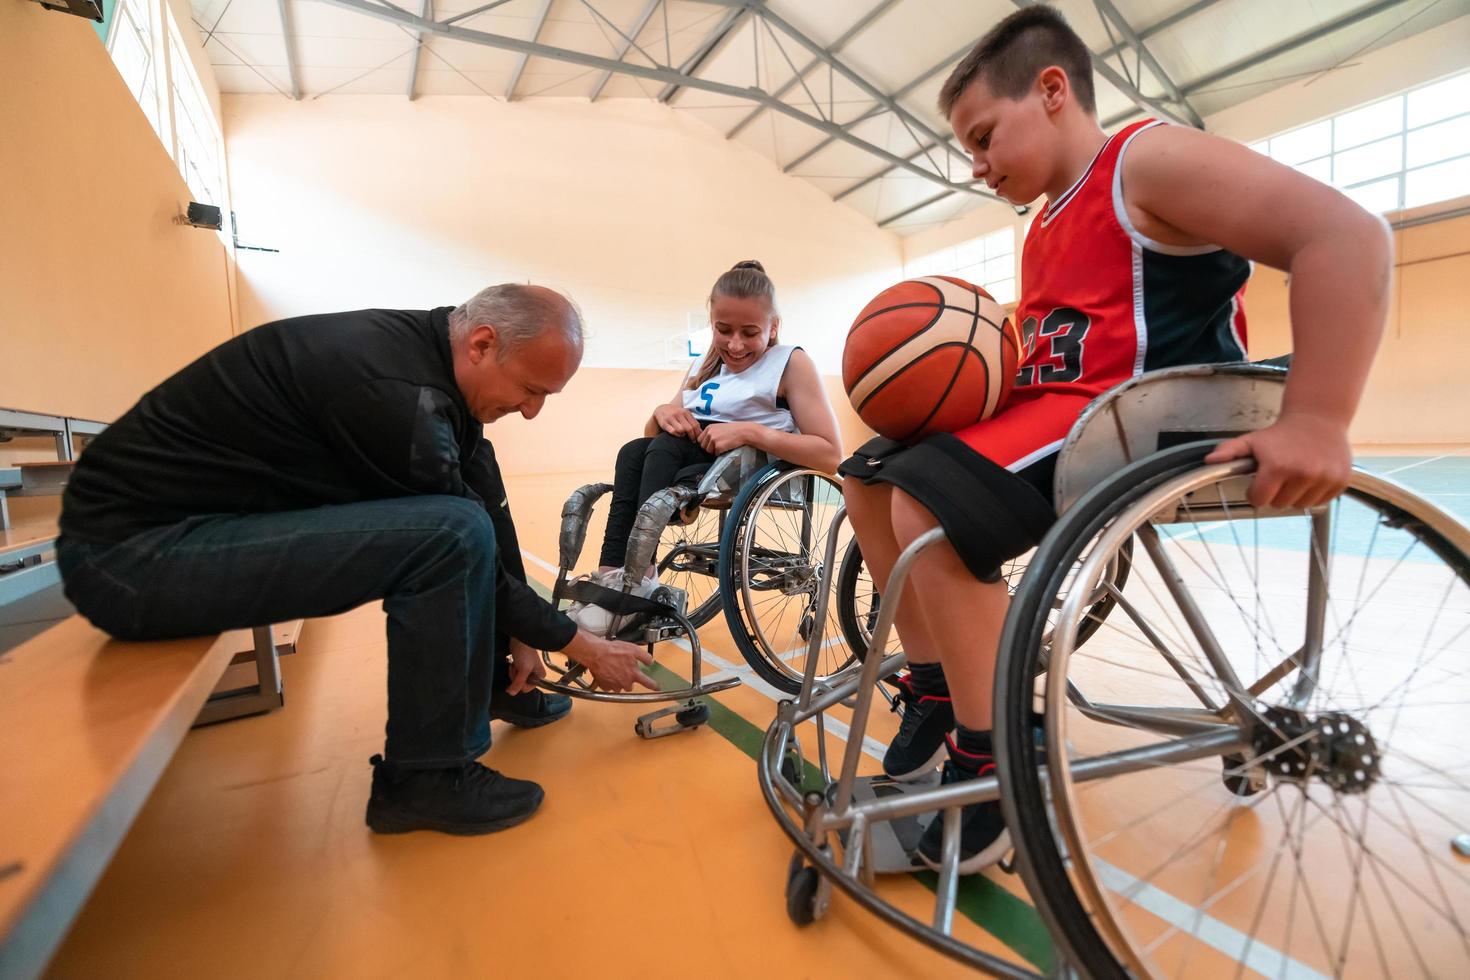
1242 784
801 895
693 717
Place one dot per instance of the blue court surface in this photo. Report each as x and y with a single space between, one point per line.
1443 480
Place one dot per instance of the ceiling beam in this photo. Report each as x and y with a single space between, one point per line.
1159 26
520 69
879 110
1110 12
910 121
912 208
1275 51
288 40
476 11
880 174
632 35
882 8
666 75
712 44
1122 84
426 11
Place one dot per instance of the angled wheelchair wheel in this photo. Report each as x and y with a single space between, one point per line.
689 557
858 601
771 574
1324 656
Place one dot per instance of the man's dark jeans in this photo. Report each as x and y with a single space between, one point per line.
431 559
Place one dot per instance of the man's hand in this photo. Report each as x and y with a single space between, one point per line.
676 421
526 668
614 665
721 437
1301 461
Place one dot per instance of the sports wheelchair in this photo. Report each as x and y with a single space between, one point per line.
1227 737
744 537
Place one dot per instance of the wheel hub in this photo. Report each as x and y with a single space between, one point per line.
1333 747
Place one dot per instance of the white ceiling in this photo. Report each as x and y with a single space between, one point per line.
335 49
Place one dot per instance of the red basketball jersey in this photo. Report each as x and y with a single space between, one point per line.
1102 303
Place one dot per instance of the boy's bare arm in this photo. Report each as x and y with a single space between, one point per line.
1339 258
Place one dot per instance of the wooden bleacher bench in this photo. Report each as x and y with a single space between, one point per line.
22 548
27 540
87 726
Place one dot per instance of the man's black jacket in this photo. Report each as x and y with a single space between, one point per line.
313 411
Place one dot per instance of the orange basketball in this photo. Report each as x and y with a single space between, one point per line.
934 354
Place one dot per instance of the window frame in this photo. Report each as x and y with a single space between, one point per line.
1403 133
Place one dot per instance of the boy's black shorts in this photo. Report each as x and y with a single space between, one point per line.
990 514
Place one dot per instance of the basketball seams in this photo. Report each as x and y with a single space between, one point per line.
937 348
877 388
959 369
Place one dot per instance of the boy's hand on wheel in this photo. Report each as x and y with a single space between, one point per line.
1301 461
614 665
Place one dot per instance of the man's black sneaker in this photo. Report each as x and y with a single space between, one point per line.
919 745
529 709
468 799
984 839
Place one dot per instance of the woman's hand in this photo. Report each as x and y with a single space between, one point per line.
676 421
721 437
1301 461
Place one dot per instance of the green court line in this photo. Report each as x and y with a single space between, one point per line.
1009 919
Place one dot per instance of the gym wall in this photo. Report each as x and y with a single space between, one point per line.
631 207
101 295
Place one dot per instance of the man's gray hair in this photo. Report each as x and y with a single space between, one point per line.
519 314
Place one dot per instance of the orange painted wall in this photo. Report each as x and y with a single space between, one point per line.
601 408
1417 390
101 295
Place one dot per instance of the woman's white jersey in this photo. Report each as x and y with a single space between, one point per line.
745 396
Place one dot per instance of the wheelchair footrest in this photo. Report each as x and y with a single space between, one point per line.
895 843
688 715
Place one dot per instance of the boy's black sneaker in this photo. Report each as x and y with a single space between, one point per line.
468 799
529 709
919 745
984 839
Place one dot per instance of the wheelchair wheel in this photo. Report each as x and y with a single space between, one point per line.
771 574
1325 656
858 601
689 558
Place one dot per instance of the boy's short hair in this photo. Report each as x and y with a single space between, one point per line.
1013 53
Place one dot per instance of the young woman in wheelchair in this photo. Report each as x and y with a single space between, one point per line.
749 390
1137 261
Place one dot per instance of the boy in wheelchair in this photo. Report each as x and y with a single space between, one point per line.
1137 261
749 390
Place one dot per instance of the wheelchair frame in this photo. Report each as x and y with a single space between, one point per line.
1111 440
740 484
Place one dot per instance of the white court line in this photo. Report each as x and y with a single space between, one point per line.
1420 462
1178 913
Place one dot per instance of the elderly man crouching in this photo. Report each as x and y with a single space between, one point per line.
312 465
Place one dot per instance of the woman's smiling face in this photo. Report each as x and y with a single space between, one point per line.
741 329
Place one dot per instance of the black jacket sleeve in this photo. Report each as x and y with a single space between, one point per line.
400 440
519 611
